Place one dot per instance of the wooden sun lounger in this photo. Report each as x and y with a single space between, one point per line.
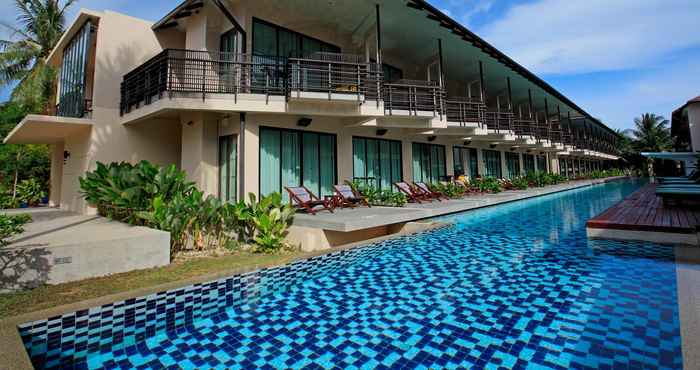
305 200
348 197
429 193
676 194
412 195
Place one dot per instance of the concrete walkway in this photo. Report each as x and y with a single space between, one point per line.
346 220
60 246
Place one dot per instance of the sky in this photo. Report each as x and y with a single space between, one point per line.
616 59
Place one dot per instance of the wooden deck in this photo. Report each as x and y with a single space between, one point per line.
644 211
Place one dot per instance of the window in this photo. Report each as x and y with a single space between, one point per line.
492 163
228 167
275 41
294 158
473 164
459 160
428 162
512 164
376 162
73 79
541 163
529 163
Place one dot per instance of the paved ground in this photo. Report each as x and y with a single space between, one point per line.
363 218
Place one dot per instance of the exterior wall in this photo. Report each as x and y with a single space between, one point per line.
123 43
694 125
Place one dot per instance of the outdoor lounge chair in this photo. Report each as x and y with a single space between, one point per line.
348 197
677 194
305 200
693 177
411 194
421 186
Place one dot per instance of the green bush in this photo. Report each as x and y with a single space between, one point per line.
450 189
520 183
162 198
487 185
10 226
378 197
30 191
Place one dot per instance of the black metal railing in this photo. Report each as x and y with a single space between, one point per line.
76 107
334 73
412 96
524 127
499 121
465 110
201 73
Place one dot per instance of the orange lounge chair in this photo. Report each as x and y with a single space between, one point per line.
348 197
411 194
429 193
305 200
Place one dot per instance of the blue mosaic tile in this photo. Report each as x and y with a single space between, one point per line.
515 286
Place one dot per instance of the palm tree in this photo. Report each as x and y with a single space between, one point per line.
652 133
40 24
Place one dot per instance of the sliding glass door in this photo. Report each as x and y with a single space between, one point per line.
492 163
512 164
228 168
428 162
529 163
376 162
296 158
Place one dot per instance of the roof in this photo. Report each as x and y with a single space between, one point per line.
83 15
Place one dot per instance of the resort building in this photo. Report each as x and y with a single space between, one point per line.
251 96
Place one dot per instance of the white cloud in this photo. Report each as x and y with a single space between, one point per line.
564 36
660 91
475 8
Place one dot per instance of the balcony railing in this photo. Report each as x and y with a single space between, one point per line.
499 121
76 107
200 73
334 73
413 96
524 127
465 110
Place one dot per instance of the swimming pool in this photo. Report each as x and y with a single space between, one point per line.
515 286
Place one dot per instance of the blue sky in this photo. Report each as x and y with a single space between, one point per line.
614 58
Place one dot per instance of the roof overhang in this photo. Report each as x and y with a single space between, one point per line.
674 156
83 15
40 129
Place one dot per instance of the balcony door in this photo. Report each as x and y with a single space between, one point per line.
228 48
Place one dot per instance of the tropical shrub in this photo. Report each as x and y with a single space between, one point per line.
162 198
487 185
378 197
30 191
520 183
450 189
10 226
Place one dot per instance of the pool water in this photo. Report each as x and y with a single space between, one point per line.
512 286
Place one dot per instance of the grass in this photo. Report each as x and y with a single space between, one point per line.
48 296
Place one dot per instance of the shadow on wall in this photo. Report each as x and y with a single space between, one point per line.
24 268
112 141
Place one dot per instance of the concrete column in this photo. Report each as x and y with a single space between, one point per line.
199 151
449 160
504 165
554 163
56 177
345 160
521 160
480 162
407 155
252 156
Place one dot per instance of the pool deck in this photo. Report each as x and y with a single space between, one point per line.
643 217
347 220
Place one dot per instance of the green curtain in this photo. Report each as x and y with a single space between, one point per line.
311 162
359 165
492 162
384 164
327 164
377 158
529 163
270 164
372 162
416 162
473 163
428 162
513 163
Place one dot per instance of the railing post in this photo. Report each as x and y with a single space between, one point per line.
357 87
390 101
204 77
330 78
298 87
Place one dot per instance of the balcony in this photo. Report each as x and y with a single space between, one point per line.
333 76
524 127
413 98
465 111
194 73
500 122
